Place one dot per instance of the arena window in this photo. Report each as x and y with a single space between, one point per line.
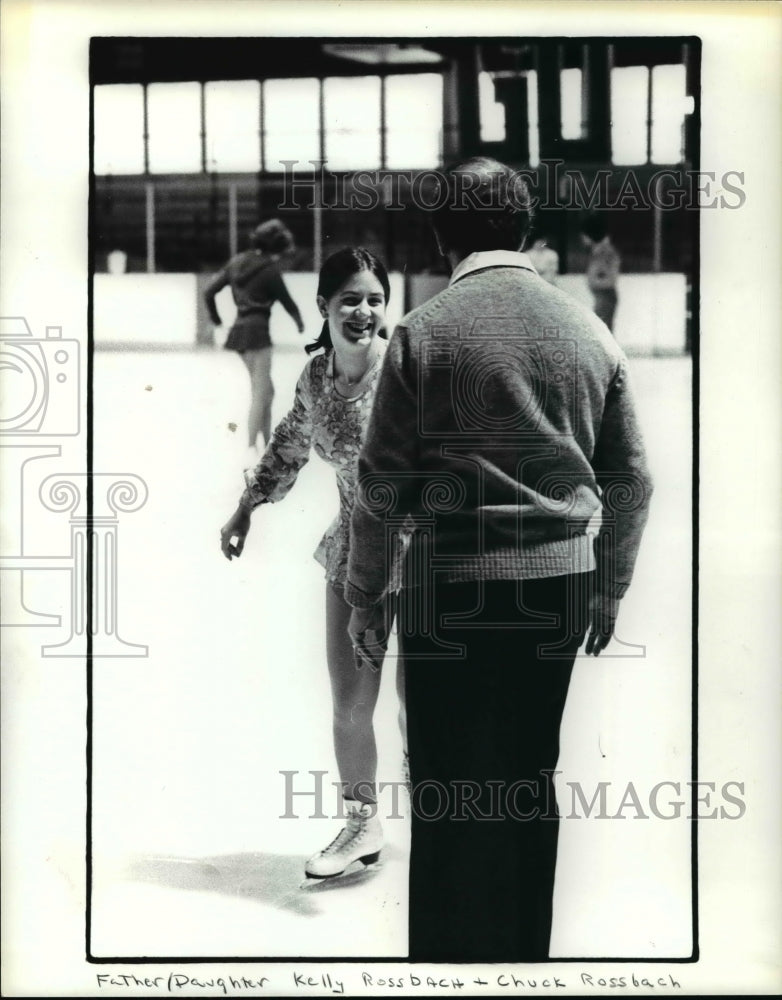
629 114
532 118
669 106
352 120
291 122
119 129
233 122
571 107
174 126
492 111
413 120
648 108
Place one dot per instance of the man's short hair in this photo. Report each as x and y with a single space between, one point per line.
482 205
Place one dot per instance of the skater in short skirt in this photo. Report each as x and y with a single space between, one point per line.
256 284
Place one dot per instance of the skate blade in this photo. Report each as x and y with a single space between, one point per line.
353 873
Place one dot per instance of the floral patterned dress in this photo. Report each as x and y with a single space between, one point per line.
332 424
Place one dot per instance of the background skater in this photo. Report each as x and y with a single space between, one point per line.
256 284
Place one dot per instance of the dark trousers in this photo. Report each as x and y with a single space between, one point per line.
483 735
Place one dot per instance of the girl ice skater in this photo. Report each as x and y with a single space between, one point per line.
256 284
330 412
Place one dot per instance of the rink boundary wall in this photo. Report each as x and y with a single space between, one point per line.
166 311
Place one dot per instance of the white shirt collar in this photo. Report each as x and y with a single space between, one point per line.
490 258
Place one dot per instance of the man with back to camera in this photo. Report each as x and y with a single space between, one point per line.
503 423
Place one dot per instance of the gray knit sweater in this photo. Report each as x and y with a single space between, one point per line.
503 423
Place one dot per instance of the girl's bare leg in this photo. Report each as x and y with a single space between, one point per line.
262 393
354 693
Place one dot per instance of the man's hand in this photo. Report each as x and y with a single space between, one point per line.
367 630
602 617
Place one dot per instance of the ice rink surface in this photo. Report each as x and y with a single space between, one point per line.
191 853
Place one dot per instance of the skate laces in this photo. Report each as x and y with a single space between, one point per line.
353 831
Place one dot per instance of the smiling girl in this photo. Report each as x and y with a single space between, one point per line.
330 413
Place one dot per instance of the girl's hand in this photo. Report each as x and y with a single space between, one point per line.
236 528
368 632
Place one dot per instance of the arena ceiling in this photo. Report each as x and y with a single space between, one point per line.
164 59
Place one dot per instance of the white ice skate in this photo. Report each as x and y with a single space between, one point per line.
359 840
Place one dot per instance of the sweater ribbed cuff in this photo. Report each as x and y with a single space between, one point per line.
614 590
358 598
248 502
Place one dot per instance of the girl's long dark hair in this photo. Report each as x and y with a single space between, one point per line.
335 272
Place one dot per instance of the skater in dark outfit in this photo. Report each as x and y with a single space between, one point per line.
503 421
256 284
